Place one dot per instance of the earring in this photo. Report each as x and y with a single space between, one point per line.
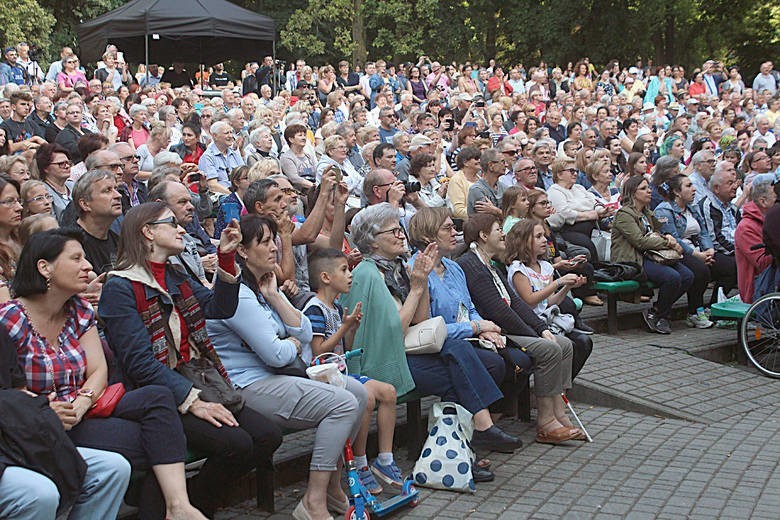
48 283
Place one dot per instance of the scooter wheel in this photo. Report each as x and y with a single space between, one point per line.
414 502
352 515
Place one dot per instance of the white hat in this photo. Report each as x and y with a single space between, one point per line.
633 70
418 141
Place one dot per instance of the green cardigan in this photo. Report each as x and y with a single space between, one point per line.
380 333
629 240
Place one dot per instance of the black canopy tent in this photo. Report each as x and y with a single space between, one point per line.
187 31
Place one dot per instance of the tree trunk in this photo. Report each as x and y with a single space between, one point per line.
359 53
491 32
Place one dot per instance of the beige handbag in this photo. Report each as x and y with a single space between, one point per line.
426 337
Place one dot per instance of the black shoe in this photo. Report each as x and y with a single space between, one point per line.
495 439
482 475
663 326
580 327
651 320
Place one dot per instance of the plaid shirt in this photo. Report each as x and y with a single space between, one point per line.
47 369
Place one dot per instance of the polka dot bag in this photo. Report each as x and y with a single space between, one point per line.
446 458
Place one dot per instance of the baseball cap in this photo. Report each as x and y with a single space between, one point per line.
633 70
648 106
419 141
465 97
674 105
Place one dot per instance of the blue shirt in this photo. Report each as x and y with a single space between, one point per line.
701 185
450 299
217 165
253 341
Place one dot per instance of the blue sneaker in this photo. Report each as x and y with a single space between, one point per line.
389 474
368 481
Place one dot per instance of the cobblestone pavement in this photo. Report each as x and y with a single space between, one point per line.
675 436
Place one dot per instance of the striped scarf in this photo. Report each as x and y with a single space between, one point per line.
162 344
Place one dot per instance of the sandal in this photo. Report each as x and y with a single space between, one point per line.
483 463
556 436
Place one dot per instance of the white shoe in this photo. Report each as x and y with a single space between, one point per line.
699 321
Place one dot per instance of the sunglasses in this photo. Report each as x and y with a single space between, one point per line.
168 220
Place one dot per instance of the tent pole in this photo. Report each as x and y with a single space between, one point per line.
146 49
274 78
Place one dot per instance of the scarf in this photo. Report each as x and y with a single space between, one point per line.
163 347
396 277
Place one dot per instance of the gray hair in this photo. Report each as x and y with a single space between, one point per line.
665 168
161 173
136 109
164 111
397 138
257 132
82 189
115 102
215 128
235 112
257 192
719 176
165 157
760 189
368 222
488 156
701 156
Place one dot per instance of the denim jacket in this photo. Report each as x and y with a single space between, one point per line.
673 222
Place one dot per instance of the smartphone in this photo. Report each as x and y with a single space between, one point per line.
479 104
576 261
231 211
193 177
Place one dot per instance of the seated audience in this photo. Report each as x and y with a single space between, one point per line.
144 296
749 233
635 231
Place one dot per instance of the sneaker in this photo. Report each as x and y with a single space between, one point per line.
699 321
368 481
582 328
663 326
727 324
651 320
389 474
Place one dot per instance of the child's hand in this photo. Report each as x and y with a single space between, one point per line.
352 321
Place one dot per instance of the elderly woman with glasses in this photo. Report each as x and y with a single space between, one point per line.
36 198
70 76
54 170
335 156
394 297
577 212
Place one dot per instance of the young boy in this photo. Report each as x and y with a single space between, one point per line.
334 330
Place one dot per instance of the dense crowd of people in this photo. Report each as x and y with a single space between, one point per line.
149 225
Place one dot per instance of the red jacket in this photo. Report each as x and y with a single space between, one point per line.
494 84
749 263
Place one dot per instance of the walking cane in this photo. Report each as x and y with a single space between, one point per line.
571 409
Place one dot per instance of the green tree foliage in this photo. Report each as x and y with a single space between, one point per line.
24 20
667 31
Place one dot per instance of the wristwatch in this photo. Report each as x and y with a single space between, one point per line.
86 392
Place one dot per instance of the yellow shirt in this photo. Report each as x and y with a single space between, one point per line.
457 195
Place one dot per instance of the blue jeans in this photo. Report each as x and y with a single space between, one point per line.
459 373
25 494
672 281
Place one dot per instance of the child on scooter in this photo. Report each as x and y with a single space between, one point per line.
334 330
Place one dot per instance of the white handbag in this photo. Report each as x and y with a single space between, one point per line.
426 337
447 458
603 242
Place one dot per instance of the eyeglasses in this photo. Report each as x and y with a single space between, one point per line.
112 166
9 203
62 164
72 113
510 152
39 198
570 170
396 231
528 169
130 158
168 220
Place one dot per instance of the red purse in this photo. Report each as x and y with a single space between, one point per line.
107 401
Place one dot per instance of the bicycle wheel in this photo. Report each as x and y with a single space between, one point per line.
760 334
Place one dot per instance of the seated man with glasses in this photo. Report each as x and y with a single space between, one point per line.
523 174
133 192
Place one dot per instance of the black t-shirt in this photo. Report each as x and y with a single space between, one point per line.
177 79
220 79
100 253
17 132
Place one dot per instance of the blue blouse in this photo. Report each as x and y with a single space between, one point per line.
450 299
